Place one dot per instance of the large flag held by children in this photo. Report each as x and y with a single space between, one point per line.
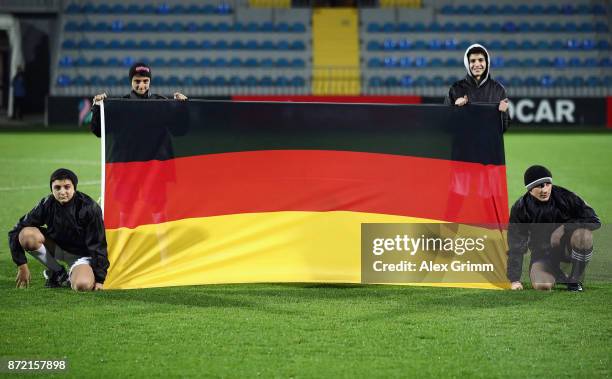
204 192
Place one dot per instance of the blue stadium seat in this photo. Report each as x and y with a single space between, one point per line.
419 45
129 44
250 81
236 45
298 63
224 27
220 62
72 8
219 81
66 61
374 46
175 62
420 62
267 27
435 44
298 81
603 45
590 62
63 80
68 44
436 63
205 62
110 80
113 62
531 81
561 81
421 81
574 62
516 81
208 27
527 45
267 45
497 61
406 81
390 62
159 62
81 62
546 81
453 62
191 44
513 62
391 81
375 81
297 45
496 45
557 45
388 27
250 62
404 44
95 80
573 44
512 45
160 44
543 62
283 45
282 27
132 9
373 27
282 81
266 81
97 62
221 45
99 44
267 63
403 27
80 80
405 62
593 81
560 62
577 81
389 44
298 27
450 44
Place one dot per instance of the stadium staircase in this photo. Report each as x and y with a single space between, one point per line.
335 39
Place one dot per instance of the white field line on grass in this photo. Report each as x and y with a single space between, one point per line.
54 161
42 186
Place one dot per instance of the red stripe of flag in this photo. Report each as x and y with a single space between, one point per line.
303 180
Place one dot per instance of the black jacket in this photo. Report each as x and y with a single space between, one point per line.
532 223
95 125
487 91
76 227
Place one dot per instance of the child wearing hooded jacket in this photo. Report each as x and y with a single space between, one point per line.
478 86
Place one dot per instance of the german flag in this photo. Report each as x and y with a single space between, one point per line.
205 192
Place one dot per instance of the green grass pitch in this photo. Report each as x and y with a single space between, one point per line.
306 330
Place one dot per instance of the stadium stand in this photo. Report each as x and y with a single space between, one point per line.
214 47
544 49
204 48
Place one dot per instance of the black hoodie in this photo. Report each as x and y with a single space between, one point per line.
487 91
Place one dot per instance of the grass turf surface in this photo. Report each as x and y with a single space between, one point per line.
305 330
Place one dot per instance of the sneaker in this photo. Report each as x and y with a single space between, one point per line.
574 287
56 279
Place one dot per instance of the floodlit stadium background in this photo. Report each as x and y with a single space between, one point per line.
552 56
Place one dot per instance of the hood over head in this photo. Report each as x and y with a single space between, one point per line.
477 48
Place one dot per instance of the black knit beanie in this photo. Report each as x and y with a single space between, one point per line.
140 69
64 173
536 175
